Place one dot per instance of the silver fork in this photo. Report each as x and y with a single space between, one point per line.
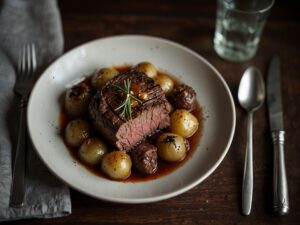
24 83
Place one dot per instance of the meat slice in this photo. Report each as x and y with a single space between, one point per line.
144 158
123 132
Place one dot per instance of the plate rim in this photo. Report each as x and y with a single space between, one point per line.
161 196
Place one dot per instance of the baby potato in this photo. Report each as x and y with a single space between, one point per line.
116 165
165 82
171 147
92 151
147 68
77 99
183 123
76 132
102 76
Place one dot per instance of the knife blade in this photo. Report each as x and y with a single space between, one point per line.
274 95
280 187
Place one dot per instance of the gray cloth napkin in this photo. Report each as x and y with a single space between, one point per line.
23 22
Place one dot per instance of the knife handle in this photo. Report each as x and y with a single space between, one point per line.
280 187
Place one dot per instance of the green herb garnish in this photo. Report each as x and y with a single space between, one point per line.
125 106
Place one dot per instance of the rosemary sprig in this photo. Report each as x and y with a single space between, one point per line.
125 106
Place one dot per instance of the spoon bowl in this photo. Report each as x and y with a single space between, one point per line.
251 95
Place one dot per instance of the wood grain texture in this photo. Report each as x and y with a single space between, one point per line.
217 199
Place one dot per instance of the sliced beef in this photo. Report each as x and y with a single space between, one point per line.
144 158
125 133
183 97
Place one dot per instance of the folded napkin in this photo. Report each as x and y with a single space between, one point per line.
25 22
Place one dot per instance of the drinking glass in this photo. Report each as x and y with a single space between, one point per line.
239 25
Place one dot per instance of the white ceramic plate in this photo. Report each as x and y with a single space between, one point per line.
213 95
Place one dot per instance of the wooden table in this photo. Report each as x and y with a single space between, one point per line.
192 23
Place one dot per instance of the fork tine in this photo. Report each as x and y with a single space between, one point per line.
28 53
20 62
33 57
23 63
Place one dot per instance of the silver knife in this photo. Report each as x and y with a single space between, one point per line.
280 186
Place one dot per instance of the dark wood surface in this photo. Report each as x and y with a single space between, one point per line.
191 23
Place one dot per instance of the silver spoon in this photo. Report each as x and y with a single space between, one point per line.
251 95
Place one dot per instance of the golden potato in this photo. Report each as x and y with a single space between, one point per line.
147 68
183 123
102 76
76 132
77 100
92 151
171 147
166 83
116 165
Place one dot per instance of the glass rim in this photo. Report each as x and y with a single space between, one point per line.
266 9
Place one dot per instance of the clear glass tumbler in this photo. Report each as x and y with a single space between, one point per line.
239 25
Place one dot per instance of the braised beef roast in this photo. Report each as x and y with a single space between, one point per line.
147 117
